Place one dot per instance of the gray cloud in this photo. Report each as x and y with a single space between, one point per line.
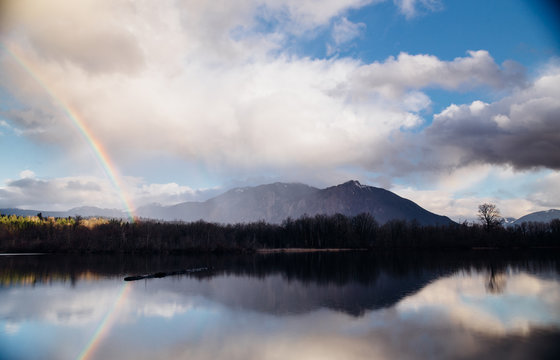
521 130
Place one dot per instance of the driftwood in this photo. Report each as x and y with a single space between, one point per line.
162 274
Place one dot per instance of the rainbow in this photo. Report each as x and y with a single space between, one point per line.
105 324
100 153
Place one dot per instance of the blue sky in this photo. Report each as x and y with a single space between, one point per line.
448 103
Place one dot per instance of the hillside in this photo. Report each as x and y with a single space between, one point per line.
275 202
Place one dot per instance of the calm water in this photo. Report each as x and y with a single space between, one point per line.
293 306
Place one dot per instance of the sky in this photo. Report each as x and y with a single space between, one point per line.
118 104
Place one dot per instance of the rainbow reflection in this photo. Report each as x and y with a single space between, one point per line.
105 324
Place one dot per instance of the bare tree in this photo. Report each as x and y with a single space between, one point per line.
489 215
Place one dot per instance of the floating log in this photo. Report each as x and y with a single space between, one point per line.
162 274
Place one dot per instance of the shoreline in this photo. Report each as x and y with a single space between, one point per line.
222 251
305 250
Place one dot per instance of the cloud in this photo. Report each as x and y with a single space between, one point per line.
218 85
410 8
458 193
27 174
204 95
396 75
520 130
57 194
217 320
464 208
64 193
65 32
200 93
4 124
464 300
279 112
345 30
58 306
546 191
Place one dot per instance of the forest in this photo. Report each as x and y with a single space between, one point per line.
97 235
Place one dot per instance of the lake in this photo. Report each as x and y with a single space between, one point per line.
322 305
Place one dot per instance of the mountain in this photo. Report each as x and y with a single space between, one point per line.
272 203
275 202
539 216
509 221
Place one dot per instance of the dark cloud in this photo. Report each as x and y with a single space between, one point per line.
524 135
521 130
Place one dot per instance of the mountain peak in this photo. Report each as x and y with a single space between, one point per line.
353 183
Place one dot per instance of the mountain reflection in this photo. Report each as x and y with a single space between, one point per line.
315 305
351 282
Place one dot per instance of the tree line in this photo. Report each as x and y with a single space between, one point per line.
75 234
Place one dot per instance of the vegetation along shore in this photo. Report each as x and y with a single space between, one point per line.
95 235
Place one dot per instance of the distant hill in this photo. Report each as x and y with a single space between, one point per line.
275 202
92 211
539 216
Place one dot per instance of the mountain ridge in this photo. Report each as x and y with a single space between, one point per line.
276 202
539 216
273 203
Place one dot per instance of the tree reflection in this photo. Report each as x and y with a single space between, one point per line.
497 282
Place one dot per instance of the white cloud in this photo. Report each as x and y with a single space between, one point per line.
410 8
27 174
58 194
396 75
458 193
465 301
282 112
546 191
61 194
81 307
345 30
11 328
4 124
464 208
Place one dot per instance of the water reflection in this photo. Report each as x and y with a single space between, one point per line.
496 281
351 306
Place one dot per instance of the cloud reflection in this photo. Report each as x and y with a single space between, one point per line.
526 301
452 317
